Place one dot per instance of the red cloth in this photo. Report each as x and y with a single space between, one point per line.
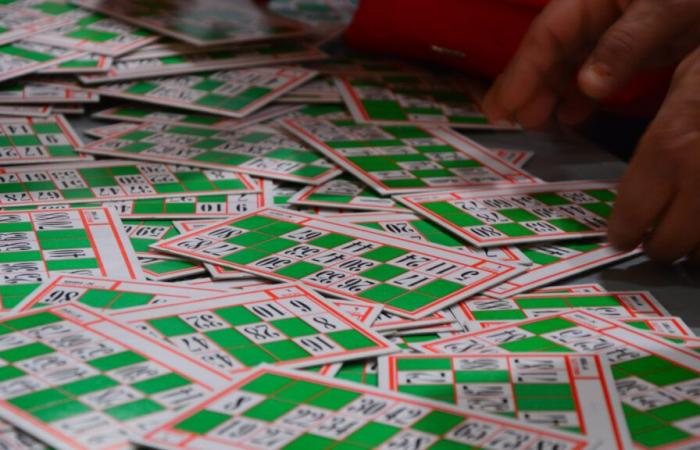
486 32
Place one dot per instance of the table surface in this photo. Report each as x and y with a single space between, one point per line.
564 155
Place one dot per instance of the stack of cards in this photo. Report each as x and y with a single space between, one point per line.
271 242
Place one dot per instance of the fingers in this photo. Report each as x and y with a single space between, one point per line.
548 57
678 233
658 197
640 34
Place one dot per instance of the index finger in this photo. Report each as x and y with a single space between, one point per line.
556 42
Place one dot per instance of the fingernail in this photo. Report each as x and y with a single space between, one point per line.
597 80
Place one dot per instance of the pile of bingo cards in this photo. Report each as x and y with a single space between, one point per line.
270 241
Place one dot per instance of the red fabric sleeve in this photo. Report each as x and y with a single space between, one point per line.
475 36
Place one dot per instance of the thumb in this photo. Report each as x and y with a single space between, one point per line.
643 30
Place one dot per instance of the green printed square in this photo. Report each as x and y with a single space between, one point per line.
116 361
351 339
285 350
228 338
604 195
299 270
32 320
660 436
384 254
372 434
15 257
25 140
411 301
245 256
513 229
201 422
331 240
439 392
9 373
546 403
544 326
489 316
161 383
401 184
334 399
131 300
300 391
594 301
438 422
269 410
599 209
18 226
98 298
141 88
60 411
569 225
482 376
382 293
550 199
237 315
25 352
37 399
276 245
132 410
46 128
383 272
87 385
279 228
249 239
670 376
409 363
253 222
533 344
518 215
74 264
309 441
676 411
439 288
267 384
293 327
251 356
310 171
290 154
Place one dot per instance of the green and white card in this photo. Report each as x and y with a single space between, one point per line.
26 57
29 140
520 214
204 23
344 192
34 91
572 392
20 18
656 379
285 325
108 294
112 180
230 93
409 278
395 159
96 33
84 63
614 305
415 99
280 408
411 226
263 54
35 245
258 151
78 380
153 114
169 268
557 261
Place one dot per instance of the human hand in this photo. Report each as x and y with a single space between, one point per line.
580 51
659 195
